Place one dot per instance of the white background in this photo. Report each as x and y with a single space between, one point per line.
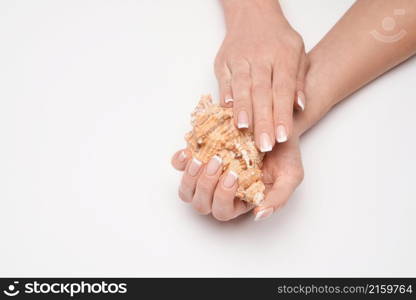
95 96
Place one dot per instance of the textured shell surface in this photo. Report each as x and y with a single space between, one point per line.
214 133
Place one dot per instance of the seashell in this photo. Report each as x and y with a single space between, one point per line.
214 133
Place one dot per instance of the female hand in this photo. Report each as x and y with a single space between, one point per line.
260 68
211 191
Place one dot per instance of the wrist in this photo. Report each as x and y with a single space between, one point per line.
235 10
321 96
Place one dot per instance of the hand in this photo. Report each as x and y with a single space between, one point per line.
260 68
210 191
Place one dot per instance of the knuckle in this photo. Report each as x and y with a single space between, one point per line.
182 196
262 68
187 190
241 94
239 64
185 186
220 210
242 78
285 115
220 215
263 123
204 186
201 207
284 96
283 109
261 85
284 84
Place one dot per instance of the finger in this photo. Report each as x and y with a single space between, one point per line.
300 84
180 158
241 207
263 107
224 85
189 179
282 189
205 186
300 100
225 206
241 86
284 89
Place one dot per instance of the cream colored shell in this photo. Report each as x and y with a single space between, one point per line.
214 133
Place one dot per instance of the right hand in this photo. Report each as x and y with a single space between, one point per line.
210 191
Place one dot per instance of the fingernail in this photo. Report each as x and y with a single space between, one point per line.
228 100
263 214
301 101
213 165
194 167
281 134
265 143
230 179
242 119
182 156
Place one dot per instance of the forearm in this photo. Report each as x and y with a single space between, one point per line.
244 10
350 55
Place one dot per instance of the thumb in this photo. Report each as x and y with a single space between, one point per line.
283 187
300 100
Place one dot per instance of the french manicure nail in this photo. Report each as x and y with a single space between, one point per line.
230 179
194 167
265 143
281 134
242 119
182 156
228 100
301 101
213 165
263 214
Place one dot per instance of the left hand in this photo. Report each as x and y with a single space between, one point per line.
261 68
210 191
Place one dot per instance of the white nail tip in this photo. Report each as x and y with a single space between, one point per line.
266 149
196 161
281 139
259 215
263 214
233 174
301 104
281 135
242 125
228 100
217 158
